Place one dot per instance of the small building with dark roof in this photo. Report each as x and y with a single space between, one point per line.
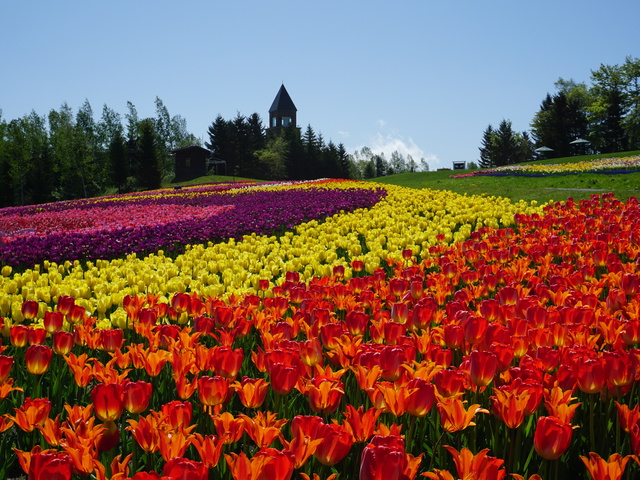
282 113
191 162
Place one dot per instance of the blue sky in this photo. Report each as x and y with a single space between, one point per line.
423 77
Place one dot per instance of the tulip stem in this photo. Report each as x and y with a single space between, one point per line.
592 429
436 446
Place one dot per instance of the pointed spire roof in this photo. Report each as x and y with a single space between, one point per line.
282 101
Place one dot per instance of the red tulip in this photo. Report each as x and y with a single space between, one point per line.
335 445
552 437
185 469
29 309
110 339
37 359
47 464
5 367
483 367
283 377
19 335
213 390
590 375
107 401
180 302
65 304
178 413
36 335
227 362
53 321
385 459
421 400
136 396
63 342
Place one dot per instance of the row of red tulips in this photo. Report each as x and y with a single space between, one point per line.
514 352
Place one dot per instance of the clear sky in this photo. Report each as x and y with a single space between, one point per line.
423 77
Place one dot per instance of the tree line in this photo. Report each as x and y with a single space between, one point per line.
64 156
250 150
605 114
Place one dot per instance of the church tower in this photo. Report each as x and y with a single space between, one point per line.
282 113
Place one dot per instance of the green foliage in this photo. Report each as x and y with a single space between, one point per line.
273 158
64 156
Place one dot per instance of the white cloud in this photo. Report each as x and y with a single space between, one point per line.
391 142
381 123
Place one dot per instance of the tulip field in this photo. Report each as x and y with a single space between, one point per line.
320 330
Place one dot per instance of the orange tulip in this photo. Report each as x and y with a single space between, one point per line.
174 443
252 391
145 431
509 405
359 423
33 412
228 427
51 432
7 387
557 403
627 417
154 361
324 394
79 366
263 428
600 469
479 466
454 416
209 448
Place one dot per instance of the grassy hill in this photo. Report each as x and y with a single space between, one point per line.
541 189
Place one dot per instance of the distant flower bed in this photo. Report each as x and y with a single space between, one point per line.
600 165
116 226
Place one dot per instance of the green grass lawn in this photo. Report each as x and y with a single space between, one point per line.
541 189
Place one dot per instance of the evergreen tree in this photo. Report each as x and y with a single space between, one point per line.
487 148
150 174
344 163
381 165
505 145
119 164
